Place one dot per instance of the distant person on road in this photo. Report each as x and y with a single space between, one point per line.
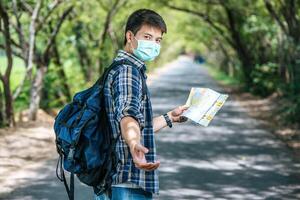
131 116
199 59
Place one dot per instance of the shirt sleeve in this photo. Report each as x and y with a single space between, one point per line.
127 92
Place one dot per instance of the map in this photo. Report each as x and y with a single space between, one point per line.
203 104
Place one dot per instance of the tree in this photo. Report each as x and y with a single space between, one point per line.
31 50
226 19
286 14
5 78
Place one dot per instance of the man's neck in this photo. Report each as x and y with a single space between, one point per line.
128 49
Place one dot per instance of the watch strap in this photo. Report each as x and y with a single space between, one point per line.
168 120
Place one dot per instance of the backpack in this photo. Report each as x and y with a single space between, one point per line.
84 140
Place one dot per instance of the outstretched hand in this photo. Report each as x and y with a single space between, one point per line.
138 152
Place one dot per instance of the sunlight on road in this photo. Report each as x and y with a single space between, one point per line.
233 158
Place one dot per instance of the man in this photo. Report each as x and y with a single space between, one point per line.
136 176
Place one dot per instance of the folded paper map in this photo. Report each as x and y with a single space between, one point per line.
203 104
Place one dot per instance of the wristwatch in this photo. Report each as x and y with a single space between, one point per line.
168 120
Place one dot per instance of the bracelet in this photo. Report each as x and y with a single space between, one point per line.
167 118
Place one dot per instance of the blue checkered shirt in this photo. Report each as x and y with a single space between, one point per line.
123 97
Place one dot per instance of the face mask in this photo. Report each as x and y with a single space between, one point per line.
146 50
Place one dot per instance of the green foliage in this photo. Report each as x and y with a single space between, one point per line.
290 109
222 77
17 75
18 70
242 41
265 79
22 102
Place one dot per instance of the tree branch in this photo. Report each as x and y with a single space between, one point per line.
18 54
30 50
108 19
44 19
26 7
205 18
19 27
273 13
56 30
8 49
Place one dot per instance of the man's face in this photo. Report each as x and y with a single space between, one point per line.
146 32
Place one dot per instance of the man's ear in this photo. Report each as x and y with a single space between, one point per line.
129 36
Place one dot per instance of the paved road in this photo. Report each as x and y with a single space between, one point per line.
233 158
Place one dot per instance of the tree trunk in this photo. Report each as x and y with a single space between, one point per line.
2 121
5 78
8 118
102 59
282 71
295 71
61 74
241 49
36 91
82 51
84 60
9 113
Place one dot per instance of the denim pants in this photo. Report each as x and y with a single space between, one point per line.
123 193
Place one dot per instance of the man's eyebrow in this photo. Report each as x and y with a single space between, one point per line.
148 34
152 36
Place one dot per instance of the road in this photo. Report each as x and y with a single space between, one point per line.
234 158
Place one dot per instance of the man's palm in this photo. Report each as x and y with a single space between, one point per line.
138 155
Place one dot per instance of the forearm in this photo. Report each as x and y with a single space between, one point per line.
159 122
130 130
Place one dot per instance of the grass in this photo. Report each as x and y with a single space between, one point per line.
17 72
17 75
221 77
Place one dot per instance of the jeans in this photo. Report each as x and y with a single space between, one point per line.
122 193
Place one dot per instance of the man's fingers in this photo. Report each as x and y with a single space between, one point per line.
183 119
148 166
184 107
154 167
141 148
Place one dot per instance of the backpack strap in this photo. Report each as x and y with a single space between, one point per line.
61 176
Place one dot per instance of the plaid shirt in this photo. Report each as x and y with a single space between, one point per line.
123 97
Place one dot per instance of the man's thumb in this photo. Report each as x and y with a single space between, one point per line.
184 107
142 148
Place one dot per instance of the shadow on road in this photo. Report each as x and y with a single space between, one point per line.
234 158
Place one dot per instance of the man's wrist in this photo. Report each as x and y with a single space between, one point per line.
168 119
131 143
170 116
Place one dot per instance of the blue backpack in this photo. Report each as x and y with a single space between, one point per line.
84 139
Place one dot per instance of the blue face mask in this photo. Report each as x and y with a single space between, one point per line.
146 50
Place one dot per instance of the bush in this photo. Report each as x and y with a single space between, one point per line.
265 79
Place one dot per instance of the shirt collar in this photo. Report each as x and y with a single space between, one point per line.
123 54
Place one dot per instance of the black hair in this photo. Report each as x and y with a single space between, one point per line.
144 17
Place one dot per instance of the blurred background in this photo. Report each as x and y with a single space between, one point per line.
51 49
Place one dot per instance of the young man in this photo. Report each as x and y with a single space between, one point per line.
131 115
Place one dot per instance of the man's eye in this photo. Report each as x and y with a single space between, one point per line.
158 41
147 37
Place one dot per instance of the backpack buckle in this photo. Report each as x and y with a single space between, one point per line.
71 153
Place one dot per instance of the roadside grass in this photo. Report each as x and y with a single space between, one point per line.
75 80
17 72
223 78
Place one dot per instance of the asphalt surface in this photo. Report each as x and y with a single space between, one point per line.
234 158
